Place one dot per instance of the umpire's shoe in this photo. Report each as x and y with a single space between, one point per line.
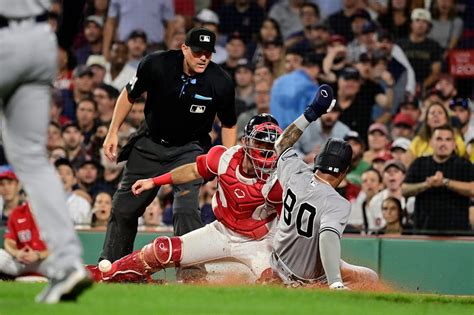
66 286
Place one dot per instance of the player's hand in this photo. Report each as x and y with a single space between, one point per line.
322 103
27 256
110 146
338 286
142 185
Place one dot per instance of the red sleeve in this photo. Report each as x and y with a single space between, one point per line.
274 197
208 164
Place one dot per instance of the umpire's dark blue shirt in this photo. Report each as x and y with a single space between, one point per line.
180 108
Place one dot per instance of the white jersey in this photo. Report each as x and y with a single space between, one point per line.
310 207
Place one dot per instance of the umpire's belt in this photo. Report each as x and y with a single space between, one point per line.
5 22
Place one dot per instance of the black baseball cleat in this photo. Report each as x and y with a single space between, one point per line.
67 286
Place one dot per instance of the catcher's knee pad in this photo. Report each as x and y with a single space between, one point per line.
162 251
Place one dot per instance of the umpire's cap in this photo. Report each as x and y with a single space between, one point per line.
200 39
335 157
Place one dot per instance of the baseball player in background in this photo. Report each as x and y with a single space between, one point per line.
28 62
306 246
245 205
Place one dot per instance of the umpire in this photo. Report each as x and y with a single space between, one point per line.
184 92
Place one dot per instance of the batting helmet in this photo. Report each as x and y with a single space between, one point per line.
335 157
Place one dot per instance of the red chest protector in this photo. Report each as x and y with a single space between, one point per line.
237 196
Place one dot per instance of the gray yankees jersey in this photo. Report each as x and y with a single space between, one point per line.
23 8
310 207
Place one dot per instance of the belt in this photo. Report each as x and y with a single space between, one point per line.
5 22
294 279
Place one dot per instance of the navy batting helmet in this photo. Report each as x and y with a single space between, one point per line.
335 157
257 120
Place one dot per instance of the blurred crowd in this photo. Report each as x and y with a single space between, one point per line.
398 103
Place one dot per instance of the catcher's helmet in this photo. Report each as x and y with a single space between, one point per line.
260 136
335 157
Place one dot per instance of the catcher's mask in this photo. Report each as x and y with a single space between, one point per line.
259 145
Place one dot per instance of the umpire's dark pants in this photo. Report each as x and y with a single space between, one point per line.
148 159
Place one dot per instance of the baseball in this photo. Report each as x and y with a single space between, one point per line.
105 265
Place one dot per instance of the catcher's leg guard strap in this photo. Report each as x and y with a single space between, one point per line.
162 251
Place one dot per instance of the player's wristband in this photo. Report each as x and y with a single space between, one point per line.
301 123
163 179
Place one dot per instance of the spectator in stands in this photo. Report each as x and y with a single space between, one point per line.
379 161
137 113
356 47
445 90
78 207
176 35
236 53
443 184
461 107
336 58
88 178
436 116
101 210
411 107
24 250
293 59
263 73
398 65
371 90
309 17
292 92
98 66
371 185
86 114
393 176
66 64
399 147
356 109
112 173
269 31
403 126
137 44
397 19
57 106
242 16
57 153
98 7
423 53
205 201
261 105
124 16
358 165
378 142
118 72
151 218
208 19
340 21
316 134
393 215
105 95
287 13
82 81
54 136
244 84
93 28
9 192
446 25
274 57
73 142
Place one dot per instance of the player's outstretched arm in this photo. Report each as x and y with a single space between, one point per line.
330 247
180 175
322 103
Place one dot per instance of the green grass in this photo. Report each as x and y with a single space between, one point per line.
115 299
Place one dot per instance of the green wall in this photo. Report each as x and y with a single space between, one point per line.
444 266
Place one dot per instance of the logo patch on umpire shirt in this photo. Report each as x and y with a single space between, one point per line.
197 109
